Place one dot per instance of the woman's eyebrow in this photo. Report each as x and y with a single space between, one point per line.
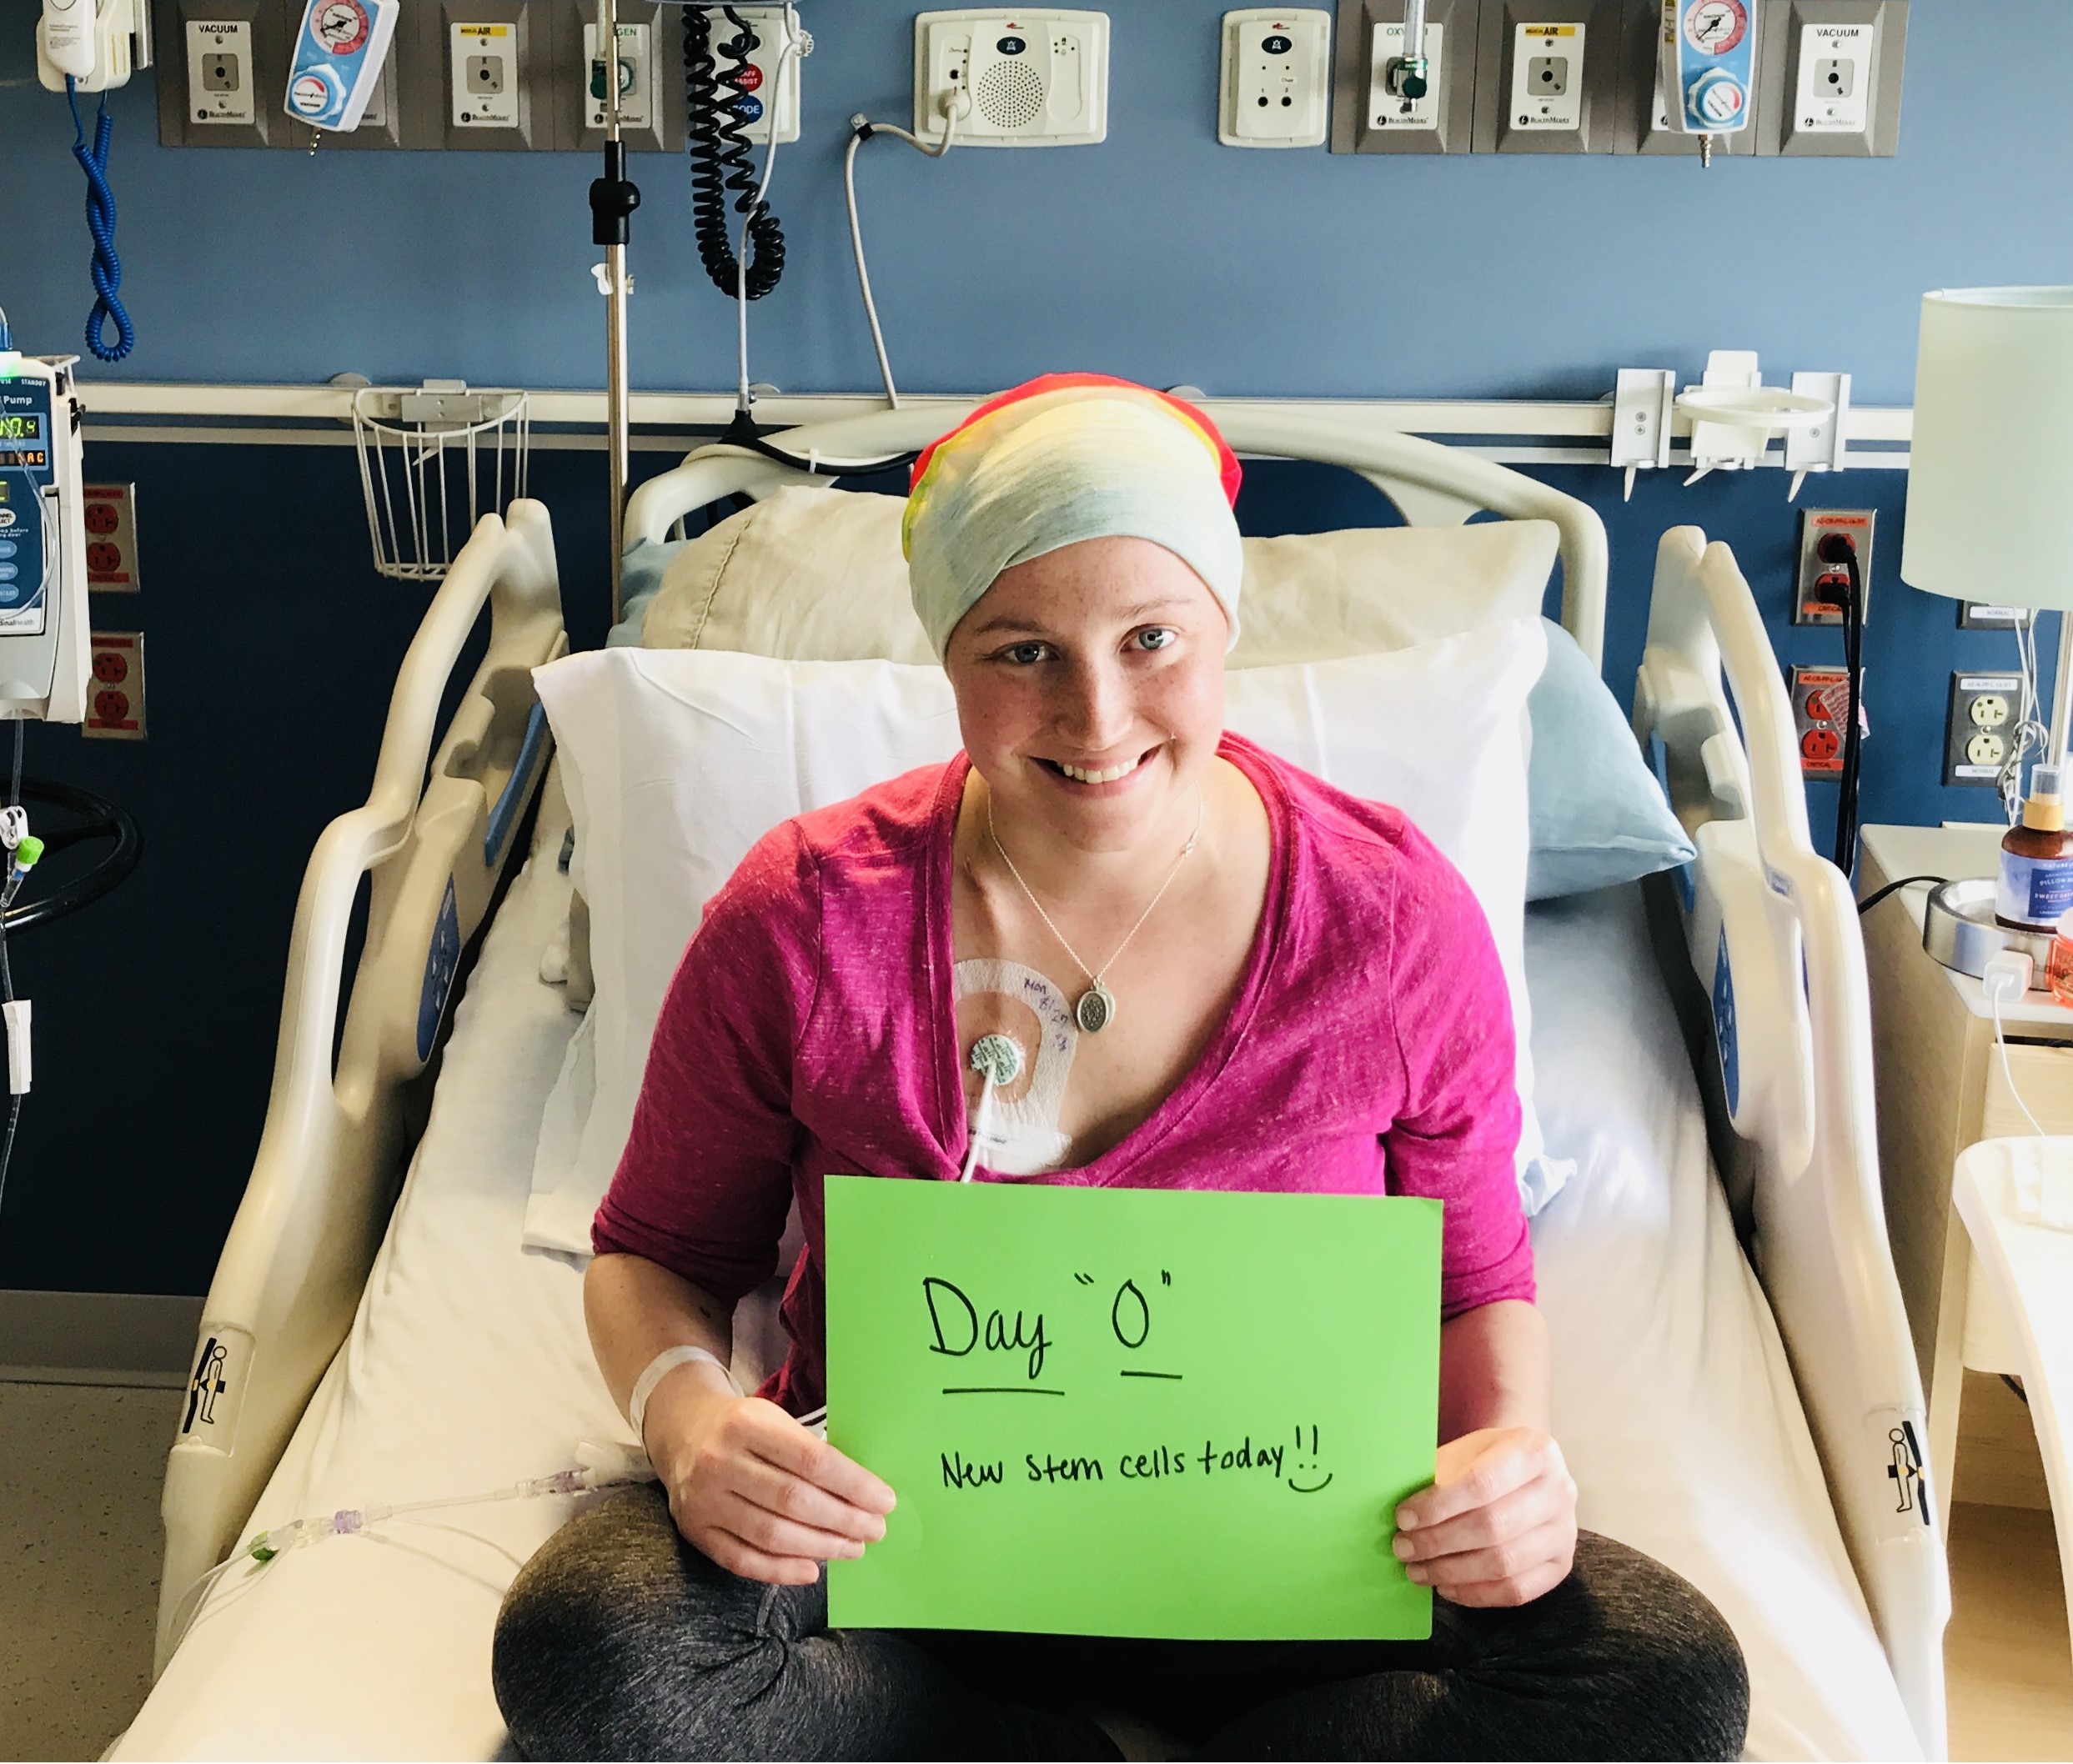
1129 615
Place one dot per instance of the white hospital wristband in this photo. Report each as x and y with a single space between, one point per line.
659 1368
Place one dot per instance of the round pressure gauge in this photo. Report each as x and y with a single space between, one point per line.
341 26
1714 27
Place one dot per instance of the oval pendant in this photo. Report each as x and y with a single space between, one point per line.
1096 1008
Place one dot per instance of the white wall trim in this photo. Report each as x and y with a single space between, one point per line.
1512 429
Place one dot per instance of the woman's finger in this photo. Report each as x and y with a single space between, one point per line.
1506 1462
1536 1503
793 1497
1514 1561
1522 1591
771 1434
737 1556
765 1530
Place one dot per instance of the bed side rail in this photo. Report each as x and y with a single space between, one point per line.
1430 485
1772 931
324 1180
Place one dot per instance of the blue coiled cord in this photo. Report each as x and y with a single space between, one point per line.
107 269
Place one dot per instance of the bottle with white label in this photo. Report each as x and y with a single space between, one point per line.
2035 886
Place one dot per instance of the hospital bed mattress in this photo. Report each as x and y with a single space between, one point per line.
468 1369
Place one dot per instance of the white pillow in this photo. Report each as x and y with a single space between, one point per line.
677 761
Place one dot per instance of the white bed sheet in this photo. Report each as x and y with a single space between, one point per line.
468 1369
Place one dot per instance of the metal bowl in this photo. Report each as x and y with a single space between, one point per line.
1958 929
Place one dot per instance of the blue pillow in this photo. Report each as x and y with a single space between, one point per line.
1598 818
640 572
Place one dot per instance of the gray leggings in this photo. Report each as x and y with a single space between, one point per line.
619 1640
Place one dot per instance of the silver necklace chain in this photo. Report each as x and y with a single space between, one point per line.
1096 1009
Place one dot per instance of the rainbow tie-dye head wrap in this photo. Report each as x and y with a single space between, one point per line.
1067 458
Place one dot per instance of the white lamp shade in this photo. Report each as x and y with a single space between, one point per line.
1989 498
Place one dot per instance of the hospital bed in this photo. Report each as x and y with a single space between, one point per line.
1735 1388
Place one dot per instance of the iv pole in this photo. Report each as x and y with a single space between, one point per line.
613 199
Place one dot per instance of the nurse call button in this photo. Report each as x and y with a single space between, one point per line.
1277 45
1010 46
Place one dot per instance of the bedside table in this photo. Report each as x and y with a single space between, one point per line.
1939 1080
2022 1283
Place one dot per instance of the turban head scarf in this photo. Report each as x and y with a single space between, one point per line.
1067 457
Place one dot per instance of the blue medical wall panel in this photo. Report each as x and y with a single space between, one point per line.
1159 254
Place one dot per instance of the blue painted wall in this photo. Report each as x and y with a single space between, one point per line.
1160 255
271 644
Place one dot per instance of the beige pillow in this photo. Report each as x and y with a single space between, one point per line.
816 575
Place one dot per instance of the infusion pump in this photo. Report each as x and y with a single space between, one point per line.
44 642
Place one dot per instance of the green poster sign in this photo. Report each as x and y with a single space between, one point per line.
1131 1411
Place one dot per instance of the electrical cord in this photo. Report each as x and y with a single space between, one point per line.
862 128
1876 895
719 156
106 268
1835 549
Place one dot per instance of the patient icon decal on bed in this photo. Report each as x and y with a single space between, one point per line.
1905 1468
206 1385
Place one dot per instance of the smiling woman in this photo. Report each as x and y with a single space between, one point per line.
1234 977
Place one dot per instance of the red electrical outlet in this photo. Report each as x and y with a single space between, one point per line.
1820 711
110 516
1811 598
115 696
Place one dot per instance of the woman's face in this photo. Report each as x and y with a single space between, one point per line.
1090 689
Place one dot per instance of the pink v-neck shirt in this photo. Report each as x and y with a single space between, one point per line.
811 1028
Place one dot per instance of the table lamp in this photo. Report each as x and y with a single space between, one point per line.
1989 498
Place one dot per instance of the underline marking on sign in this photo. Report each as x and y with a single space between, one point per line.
998 1390
1174 1376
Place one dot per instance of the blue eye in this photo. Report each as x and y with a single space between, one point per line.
1024 655
1156 638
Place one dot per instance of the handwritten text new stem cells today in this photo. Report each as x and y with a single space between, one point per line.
1297 1470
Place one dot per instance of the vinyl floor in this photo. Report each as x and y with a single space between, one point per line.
80 1468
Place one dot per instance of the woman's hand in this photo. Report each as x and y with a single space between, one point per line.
753 1490
1498 1525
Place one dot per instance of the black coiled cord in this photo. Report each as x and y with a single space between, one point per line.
720 165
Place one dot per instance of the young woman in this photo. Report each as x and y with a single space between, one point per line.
1262 983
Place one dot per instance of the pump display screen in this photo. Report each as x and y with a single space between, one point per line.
21 429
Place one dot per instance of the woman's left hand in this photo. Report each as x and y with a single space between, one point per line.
1498 1527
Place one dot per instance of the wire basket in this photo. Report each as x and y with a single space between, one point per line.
433 461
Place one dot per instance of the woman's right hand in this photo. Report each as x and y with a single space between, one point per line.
755 1490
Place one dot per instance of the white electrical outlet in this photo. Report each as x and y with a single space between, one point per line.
1018 79
1277 78
485 89
1386 110
219 71
636 76
770 85
1547 77
1834 95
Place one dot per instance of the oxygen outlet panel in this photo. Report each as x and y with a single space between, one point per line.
1017 79
1368 118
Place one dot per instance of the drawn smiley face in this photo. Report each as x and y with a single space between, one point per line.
1307 1475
